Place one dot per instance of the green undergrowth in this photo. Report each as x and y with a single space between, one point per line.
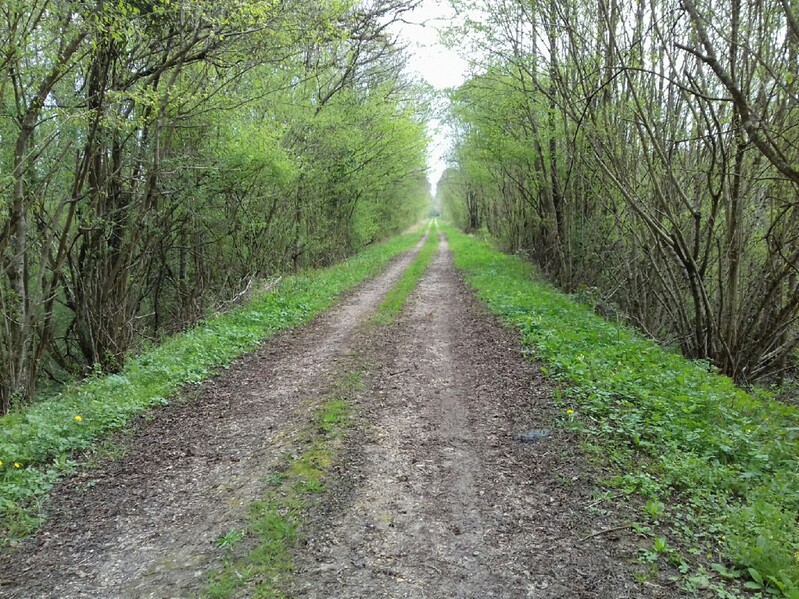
717 467
395 299
36 443
258 559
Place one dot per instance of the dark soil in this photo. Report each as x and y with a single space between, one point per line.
446 493
441 491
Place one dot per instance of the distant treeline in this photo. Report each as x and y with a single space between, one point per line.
157 157
645 152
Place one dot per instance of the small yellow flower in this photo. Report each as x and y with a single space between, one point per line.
569 412
78 418
17 465
1 463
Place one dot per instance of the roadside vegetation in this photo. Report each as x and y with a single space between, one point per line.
37 443
647 154
160 159
716 467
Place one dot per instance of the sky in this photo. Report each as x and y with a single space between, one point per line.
440 67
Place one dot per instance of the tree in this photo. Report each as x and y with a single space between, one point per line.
646 149
157 157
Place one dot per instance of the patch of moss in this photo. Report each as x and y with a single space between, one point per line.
259 564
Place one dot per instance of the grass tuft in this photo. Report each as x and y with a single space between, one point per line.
259 563
395 299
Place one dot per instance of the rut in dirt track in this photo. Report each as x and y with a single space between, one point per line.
440 499
433 495
144 525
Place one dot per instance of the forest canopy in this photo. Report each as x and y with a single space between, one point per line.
157 157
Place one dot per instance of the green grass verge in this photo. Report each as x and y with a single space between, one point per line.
36 443
718 467
259 561
395 299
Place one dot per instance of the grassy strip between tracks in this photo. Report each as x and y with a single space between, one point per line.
718 468
395 299
258 561
36 443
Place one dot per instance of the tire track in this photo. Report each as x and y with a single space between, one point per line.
144 525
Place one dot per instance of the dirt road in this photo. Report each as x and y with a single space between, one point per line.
436 496
442 498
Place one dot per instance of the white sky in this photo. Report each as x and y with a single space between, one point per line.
440 67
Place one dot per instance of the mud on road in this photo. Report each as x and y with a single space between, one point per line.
435 495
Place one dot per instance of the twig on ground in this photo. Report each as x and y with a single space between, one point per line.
600 500
602 532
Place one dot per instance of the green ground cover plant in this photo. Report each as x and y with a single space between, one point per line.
395 299
37 442
717 466
258 561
